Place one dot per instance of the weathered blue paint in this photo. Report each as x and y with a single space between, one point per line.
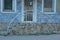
7 17
48 18
41 17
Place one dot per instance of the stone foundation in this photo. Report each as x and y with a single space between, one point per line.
29 28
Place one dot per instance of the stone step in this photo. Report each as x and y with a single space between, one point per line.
3 32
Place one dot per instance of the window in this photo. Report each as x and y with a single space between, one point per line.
28 10
28 7
8 6
28 16
28 4
48 6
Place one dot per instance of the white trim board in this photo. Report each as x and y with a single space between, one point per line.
13 6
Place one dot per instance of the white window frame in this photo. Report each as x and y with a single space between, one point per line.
13 7
34 12
49 12
54 4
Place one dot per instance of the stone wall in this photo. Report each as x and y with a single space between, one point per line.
29 28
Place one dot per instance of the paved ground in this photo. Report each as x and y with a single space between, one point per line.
31 37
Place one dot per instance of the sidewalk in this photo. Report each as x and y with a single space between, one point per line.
31 37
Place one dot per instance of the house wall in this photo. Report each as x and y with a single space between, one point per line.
13 20
41 17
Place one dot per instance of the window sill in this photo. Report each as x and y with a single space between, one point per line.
28 22
49 12
8 12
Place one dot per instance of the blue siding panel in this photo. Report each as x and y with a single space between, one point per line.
41 17
7 17
48 18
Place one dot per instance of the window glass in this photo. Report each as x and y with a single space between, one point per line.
28 16
48 7
28 4
7 5
28 10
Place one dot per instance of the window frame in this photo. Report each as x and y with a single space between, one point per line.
13 7
53 6
34 12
